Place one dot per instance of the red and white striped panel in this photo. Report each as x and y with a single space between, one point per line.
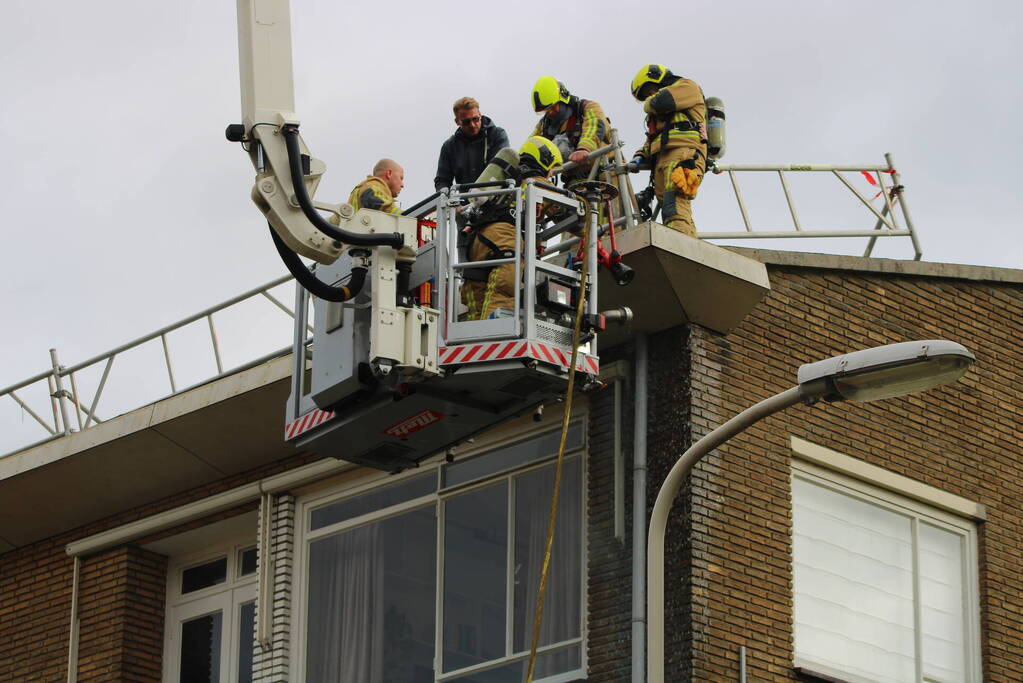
489 351
306 422
475 353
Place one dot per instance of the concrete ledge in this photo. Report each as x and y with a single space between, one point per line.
221 428
681 279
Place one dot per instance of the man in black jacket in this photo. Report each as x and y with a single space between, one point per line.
465 154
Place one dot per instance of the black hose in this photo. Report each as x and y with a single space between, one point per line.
394 239
415 207
312 283
476 186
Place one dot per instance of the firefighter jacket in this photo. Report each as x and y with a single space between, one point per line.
586 126
676 117
373 193
463 157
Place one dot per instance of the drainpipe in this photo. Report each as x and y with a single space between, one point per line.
639 531
72 648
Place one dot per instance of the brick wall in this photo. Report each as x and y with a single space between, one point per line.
963 439
121 601
121 612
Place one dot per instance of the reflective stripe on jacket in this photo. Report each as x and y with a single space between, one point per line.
680 109
590 132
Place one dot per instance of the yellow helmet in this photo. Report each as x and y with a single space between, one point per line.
542 151
547 91
650 73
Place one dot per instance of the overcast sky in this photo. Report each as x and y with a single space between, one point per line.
125 209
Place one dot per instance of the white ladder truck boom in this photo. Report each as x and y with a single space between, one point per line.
397 373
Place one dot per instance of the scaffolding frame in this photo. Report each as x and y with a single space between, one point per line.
887 223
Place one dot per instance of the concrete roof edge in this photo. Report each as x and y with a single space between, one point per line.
147 416
883 266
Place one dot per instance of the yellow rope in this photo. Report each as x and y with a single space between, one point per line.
541 593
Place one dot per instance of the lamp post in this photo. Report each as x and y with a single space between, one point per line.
867 375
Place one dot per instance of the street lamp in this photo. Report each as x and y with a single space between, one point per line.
867 375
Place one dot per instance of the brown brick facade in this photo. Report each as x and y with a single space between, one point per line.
121 597
121 607
729 574
963 439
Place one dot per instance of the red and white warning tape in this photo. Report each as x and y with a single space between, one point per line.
490 351
306 422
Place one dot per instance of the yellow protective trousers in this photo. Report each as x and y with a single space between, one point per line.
498 290
677 178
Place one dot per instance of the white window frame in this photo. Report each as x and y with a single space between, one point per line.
226 597
913 499
374 479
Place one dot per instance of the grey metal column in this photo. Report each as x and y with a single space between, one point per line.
59 391
897 182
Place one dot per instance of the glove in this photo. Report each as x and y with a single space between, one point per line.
644 199
634 165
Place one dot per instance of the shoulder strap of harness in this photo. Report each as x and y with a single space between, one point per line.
575 123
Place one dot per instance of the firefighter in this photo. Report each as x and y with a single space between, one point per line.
491 226
378 191
577 126
676 144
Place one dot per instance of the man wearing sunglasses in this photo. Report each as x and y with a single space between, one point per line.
465 154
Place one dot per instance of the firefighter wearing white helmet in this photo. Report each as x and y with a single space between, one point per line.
676 141
491 229
580 123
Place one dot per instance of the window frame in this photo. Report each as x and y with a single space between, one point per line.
371 480
227 597
906 501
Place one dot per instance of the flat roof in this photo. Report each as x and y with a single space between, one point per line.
885 266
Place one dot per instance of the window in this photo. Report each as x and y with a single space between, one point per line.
432 576
211 617
885 587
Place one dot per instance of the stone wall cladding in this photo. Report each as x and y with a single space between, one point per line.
963 439
35 596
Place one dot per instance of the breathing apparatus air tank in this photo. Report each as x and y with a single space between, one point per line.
495 170
715 128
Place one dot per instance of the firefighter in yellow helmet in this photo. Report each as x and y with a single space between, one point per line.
491 226
676 141
577 126
378 191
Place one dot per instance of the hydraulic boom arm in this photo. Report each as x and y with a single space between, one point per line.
286 175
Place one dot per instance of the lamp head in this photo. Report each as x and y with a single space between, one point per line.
885 371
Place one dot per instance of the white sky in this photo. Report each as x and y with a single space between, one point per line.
125 209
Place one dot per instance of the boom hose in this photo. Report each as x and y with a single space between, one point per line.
394 239
312 283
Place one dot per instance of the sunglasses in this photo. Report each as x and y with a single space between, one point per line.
466 122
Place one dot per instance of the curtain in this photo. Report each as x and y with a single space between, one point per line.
345 634
562 607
